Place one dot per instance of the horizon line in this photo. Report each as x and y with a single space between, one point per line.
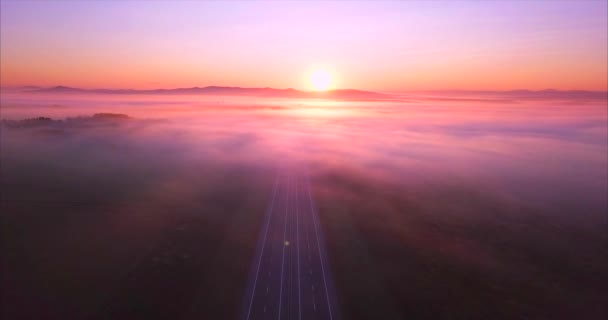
301 90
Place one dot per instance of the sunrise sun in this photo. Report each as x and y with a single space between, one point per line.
320 80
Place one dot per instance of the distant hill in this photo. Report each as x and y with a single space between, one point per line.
525 94
61 89
338 94
342 94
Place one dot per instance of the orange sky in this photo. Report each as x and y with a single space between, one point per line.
387 47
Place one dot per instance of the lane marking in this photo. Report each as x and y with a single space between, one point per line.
298 248
284 236
312 212
274 193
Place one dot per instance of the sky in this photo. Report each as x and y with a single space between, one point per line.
381 46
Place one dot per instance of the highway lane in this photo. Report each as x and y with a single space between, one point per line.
291 276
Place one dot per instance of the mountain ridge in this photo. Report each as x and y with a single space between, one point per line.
225 90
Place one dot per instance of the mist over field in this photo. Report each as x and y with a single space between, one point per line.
434 205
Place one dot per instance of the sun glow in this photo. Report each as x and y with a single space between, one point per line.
320 80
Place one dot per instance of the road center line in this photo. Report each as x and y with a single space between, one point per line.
274 193
319 248
284 235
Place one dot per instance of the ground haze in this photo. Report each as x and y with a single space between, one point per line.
435 206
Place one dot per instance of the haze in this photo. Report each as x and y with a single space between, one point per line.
304 160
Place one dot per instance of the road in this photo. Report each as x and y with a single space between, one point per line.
290 276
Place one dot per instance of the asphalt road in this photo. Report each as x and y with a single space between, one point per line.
290 275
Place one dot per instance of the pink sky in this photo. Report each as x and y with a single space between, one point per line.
386 46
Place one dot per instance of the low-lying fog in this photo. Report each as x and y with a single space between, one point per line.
432 207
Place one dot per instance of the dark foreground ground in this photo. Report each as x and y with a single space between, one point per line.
97 226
